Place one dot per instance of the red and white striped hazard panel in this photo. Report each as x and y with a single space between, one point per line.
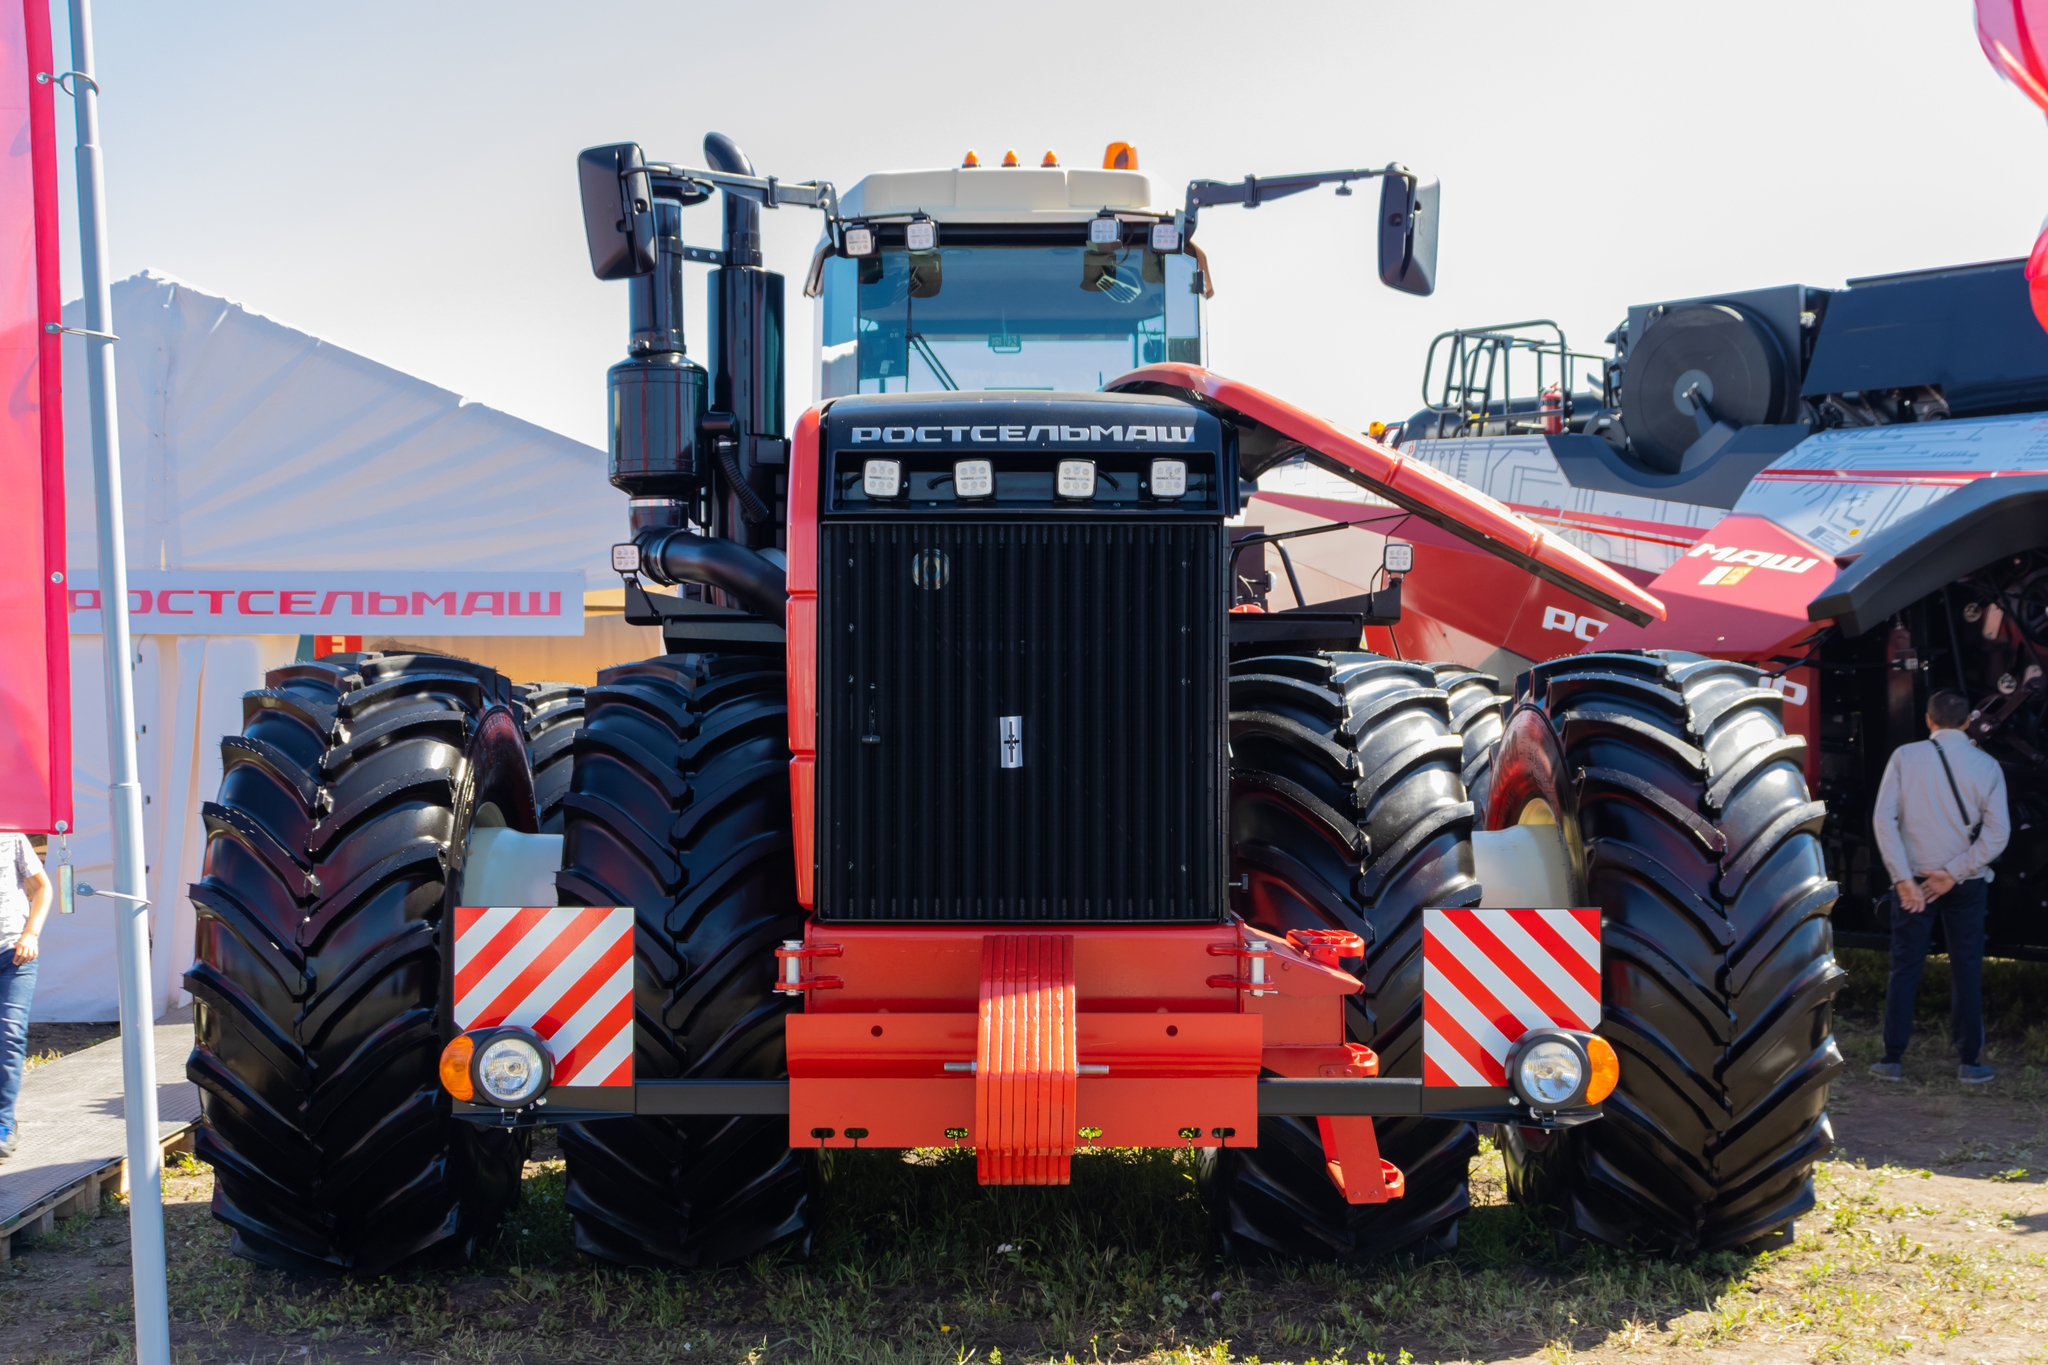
566 973
1489 976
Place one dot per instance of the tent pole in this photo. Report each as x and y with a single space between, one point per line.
124 792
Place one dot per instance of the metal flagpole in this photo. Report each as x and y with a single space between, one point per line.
124 793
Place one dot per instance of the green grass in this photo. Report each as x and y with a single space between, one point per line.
916 1262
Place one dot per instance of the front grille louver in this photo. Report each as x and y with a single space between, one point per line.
1106 638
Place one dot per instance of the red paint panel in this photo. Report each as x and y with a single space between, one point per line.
918 968
1739 593
895 1112
803 789
1459 603
35 673
1454 507
1137 1112
803 682
802 572
1143 1112
801 653
1352 1152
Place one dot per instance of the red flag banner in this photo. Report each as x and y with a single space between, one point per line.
35 672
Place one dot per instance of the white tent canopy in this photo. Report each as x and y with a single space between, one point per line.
247 444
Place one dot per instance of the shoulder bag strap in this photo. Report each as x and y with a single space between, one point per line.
1956 791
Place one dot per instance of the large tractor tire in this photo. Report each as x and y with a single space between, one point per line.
678 806
1683 812
332 858
1479 712
1347 811
551 713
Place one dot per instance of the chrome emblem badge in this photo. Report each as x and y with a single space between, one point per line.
1010 741
930 569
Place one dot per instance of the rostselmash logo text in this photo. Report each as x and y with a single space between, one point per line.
1755 559
1580 627
1019 435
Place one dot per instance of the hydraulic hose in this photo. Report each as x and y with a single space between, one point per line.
676 556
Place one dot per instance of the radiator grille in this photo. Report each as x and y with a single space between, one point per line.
1103 640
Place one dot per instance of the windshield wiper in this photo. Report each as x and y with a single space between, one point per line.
939 371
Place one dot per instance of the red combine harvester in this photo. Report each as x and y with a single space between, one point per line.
963 809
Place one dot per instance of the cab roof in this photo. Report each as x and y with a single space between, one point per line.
994 194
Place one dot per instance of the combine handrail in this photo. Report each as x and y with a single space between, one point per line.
1468 397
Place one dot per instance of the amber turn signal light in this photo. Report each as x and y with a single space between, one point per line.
1605 1066
455 1068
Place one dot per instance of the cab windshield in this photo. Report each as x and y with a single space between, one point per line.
996 317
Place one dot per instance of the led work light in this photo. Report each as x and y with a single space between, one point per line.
1076 479
921 234
882 478
860 241
1169 478
1105 230
973 478
1165 237
626 558
1399 558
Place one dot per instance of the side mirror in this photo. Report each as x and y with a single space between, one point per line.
1408 206
618 210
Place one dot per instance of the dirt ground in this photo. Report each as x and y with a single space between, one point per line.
48 1042
1929 1241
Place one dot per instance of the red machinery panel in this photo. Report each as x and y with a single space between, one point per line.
35 668
1739 593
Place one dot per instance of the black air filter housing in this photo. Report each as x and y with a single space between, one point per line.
1021 706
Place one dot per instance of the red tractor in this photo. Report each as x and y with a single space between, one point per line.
964 810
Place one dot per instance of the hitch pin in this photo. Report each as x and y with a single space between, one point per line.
1256 951
1084 1070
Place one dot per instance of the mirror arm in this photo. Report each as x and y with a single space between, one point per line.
766 190
1255 190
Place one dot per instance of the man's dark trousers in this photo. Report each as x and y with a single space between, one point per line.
1962 920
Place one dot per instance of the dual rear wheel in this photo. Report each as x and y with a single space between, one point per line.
337 846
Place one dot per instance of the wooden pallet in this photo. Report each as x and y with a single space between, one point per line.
73 1136
82 1196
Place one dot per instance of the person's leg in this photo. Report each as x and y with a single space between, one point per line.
17 985
1910 933
1962 918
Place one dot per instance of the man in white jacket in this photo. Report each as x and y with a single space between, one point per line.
1941 819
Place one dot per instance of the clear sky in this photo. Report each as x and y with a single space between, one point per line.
398 178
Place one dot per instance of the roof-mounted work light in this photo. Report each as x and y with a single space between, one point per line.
921 234
1165 237
859 239
1104 230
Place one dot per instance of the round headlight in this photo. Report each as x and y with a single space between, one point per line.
1549 1073
511 1070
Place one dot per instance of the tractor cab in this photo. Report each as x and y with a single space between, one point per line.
1044 279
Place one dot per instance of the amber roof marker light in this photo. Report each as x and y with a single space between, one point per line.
1120 156
1010 157
972 162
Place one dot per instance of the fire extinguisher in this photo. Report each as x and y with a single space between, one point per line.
1552 408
